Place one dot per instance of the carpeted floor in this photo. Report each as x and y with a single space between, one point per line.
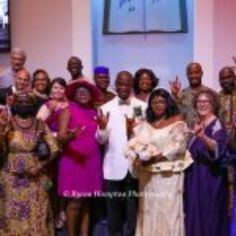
99 230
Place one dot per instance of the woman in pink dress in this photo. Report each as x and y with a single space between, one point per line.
50 112
80 173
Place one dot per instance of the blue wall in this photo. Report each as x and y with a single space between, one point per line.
166 54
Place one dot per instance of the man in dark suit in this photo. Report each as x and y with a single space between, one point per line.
21 84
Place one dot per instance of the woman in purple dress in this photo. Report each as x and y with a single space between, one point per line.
80 172
206 186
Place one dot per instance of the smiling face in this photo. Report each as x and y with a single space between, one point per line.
204 105
83 96
57 91
194 74
227 79
145 83
17 61
22 81
102 81
124 85
41 82
75 67
159 106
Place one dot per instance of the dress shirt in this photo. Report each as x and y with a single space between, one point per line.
115 165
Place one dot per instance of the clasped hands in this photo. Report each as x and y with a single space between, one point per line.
199 129
154 159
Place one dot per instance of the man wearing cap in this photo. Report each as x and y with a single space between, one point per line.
102 81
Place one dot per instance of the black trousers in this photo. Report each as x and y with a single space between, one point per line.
122 205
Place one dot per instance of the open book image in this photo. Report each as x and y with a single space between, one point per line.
144 16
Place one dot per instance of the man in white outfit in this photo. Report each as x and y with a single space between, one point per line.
115 127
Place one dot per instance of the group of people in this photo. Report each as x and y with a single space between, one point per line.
160 162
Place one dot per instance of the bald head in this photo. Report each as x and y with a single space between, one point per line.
74 66
193 65
194 73
124 84
226 71
22 80
227 79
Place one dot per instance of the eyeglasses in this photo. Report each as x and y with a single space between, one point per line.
82 91
203 101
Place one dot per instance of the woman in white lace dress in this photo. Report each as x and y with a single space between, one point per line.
159 157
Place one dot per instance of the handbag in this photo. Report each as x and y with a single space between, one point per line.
42 148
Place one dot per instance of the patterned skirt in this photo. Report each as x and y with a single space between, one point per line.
24 206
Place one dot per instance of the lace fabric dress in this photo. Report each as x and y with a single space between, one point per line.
25 207
161 184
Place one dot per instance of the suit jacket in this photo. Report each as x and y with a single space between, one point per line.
115 165
7 78
3 94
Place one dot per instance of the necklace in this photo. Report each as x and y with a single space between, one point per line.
24 126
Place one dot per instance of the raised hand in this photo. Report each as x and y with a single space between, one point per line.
52 105
3 117
199 129
102 119
234 60
74 133
130 124
175 86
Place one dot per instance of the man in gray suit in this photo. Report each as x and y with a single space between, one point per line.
17 60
